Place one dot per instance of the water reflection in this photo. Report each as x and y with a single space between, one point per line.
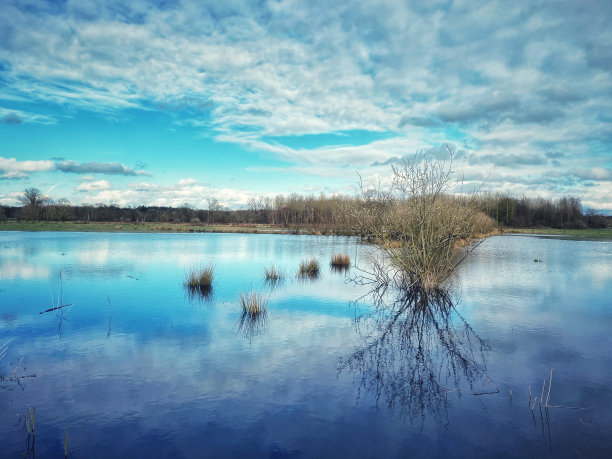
252 325
22 270
417 351
200 295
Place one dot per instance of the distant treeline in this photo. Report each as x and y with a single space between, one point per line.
326 213
565 212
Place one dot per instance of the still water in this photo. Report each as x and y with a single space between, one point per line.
134 366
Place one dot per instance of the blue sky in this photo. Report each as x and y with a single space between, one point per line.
167 102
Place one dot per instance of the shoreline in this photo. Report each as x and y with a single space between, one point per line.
251 228
160 227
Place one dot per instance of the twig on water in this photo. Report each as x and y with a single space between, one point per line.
496 391
56 308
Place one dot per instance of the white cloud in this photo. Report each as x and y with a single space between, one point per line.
11 168
185 190
97 185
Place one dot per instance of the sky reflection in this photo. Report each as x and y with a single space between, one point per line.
141 369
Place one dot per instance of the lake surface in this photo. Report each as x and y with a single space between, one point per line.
138 367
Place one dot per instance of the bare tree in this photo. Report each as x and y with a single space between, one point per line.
33 201
31 197
417 223
213 207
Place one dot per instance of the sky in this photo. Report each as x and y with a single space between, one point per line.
171 102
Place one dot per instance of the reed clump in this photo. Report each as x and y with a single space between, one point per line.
340 261
200 278
309 268
253 304
272 274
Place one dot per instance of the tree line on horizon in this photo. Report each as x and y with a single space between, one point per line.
326 213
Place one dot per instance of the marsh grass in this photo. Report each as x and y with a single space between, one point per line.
200 278
273 274
340 262
309 269
253 303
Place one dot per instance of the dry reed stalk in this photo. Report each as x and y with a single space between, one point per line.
549 384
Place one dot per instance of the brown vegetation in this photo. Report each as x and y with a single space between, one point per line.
309 269
418 224
340 261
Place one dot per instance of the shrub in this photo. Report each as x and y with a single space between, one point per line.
418 224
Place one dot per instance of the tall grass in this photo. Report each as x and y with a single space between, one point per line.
273 274
200 278
340 261
253 303
309 268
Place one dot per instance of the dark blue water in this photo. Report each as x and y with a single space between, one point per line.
136 367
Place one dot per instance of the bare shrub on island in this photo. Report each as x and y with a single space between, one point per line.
418 224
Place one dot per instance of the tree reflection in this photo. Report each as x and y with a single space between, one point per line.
418 350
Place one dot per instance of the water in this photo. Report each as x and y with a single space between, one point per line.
135 367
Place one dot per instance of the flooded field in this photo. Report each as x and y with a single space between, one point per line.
104 351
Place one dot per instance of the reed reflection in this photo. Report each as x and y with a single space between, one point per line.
417 353
250 326
254 318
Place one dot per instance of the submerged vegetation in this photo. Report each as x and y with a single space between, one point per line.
309 269
200 278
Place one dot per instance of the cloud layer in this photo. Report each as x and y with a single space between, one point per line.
523 90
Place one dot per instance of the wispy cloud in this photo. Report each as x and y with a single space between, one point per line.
507 83
16 117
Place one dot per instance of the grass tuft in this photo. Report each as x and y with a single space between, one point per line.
253 304
309 268
340 261
200 278
273 274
